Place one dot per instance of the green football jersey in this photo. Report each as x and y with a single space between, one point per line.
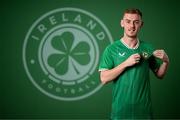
131 89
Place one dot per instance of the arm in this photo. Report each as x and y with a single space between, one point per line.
161 71
109 75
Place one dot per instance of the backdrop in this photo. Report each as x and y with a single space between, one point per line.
50 51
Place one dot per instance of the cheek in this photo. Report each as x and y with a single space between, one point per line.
126 26
138 27
126 29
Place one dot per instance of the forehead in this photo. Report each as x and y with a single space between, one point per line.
132 16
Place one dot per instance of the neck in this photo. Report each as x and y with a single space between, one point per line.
131 42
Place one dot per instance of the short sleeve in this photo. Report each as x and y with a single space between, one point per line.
154 63
106 61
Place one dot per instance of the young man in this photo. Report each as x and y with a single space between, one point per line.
127 63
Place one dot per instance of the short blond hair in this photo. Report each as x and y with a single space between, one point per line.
133 11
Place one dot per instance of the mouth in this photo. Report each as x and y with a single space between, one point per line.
131 30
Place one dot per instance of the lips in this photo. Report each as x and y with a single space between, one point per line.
131 29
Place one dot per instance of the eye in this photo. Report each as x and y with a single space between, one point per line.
127 21
137 22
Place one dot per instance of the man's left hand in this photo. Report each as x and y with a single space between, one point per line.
161 54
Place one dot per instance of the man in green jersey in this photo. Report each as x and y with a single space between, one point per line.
127 63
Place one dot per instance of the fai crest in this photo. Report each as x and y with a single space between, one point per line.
61 53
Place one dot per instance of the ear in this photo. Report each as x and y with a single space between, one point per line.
122 23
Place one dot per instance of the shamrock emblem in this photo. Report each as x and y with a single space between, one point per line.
68 51
145 55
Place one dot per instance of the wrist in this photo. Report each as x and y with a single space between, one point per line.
166 61
124 64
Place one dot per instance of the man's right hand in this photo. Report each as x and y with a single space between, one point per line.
132 60
109 75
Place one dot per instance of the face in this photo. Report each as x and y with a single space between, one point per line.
131 24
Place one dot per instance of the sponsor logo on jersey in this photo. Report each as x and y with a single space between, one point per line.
122 54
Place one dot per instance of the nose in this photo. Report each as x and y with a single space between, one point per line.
132 24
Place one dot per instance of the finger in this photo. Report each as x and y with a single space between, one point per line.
158 51
137 60
159 57
137 55
157 54
161 53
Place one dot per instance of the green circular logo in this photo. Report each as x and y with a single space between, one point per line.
61 53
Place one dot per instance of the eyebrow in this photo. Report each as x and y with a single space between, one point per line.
131 20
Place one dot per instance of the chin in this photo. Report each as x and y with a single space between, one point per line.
132 36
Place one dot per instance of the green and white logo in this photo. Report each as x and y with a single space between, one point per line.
61 53
145 55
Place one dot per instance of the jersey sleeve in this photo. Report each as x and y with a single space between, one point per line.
154 63
106 61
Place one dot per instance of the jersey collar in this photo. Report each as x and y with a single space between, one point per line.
136 47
